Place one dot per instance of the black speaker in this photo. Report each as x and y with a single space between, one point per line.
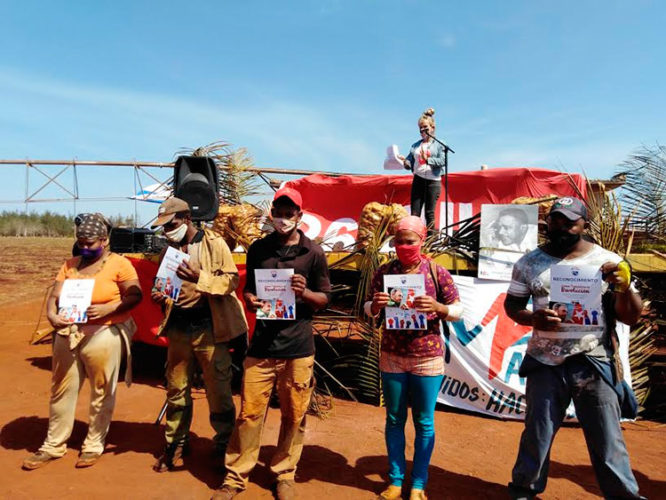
135 240
195 180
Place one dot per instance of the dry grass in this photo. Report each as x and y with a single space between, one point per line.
30 265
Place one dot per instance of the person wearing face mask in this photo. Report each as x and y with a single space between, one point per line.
199 327
411 361
281 353
569 366
90 350
426 159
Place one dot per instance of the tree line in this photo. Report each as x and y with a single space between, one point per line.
47 224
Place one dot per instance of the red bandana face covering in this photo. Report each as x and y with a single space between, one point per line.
408 255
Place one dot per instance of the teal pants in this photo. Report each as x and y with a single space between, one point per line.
421 392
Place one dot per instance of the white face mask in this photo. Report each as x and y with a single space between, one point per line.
284 226
177 234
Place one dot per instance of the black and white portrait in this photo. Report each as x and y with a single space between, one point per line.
507 233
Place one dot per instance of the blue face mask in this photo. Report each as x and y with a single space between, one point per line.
90 254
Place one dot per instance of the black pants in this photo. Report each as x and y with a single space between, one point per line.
425 191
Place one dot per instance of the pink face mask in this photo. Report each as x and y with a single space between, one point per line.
408 254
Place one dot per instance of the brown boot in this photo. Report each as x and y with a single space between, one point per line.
37 460
87 459
286 489
225 492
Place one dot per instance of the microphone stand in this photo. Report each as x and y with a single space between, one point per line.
446 178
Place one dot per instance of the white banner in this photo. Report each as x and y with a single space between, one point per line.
484 350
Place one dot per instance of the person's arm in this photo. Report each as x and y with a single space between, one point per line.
252 302
542 319
130 296
408 162
628 304
129 288
377 299
52 307
318 296
438 159
222 280
447 304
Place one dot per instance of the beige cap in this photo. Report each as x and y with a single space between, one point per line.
168 209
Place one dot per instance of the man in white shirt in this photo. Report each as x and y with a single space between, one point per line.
563 363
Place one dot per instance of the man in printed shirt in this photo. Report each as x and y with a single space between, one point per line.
561 366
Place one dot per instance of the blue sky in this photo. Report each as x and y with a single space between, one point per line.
327 85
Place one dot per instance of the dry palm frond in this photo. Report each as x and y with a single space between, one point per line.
642 345
644 190
364 365
371 257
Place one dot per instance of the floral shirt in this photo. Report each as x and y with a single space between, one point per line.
417 343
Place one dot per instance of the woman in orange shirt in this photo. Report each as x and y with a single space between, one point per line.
91 349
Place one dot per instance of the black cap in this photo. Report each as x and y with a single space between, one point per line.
571 208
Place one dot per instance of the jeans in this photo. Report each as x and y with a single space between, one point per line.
422 392
187 343
548 393
294 381
425 191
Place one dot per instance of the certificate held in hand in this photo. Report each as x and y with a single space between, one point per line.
278 301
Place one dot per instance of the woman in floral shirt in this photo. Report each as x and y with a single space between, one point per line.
411 361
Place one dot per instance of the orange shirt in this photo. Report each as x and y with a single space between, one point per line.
117 269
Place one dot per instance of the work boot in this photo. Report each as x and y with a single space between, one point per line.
393 492
37 460
286 489
225 492
172 457
87 459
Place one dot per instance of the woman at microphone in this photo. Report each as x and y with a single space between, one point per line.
425 160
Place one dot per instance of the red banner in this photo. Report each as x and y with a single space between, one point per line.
332 205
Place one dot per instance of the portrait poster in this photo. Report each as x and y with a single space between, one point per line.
275 293
400 312
507 233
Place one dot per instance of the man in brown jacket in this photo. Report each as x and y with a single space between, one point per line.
199 325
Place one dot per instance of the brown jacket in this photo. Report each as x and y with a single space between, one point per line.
218 279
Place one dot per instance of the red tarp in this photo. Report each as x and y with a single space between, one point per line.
333 205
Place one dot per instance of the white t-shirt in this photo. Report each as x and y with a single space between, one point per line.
531 277
424 170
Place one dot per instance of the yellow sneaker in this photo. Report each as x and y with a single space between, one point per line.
393 492
417 495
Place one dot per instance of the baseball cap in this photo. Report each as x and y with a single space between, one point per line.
290 193
571 208
168 209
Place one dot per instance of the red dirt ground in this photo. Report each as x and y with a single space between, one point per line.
344 456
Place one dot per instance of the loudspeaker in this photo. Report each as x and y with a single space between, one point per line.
135 240
196 181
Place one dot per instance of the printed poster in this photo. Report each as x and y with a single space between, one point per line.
275 292
400 312
575 295
167 281
507 233
75 299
